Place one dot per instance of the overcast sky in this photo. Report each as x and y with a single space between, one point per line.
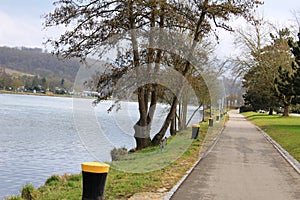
21 20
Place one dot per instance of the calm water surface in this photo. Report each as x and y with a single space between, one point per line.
38 137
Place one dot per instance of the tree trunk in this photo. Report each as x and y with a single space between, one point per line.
287 101
203 112
142 136
142 143
184 111
172 127
171 114
158 137
271 111
179 116
286 111
141 128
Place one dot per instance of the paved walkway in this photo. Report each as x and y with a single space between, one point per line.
243 165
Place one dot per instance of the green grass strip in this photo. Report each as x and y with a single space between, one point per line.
284 130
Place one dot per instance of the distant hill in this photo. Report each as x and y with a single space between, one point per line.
37 62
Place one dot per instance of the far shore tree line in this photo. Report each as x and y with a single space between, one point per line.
33 84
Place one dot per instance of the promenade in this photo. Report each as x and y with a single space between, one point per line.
243 165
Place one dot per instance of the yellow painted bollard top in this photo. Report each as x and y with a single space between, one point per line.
196 125
95 167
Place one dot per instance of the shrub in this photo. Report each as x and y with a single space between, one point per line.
53 180
118 153
246 108
27 192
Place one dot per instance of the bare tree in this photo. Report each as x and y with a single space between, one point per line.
92 23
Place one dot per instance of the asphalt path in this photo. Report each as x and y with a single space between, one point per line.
243 165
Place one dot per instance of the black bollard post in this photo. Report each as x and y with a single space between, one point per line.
93 180
165 143
160 146
211 122
195 131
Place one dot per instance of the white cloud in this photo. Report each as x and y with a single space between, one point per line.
16 31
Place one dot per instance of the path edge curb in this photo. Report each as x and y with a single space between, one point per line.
290 159
179 183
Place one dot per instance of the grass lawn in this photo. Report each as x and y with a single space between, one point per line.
122 185
284 130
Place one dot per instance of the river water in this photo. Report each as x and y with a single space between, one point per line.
38 137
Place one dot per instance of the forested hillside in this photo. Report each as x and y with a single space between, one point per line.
32 69
36 62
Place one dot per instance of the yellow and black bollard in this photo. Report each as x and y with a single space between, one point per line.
195 131
211 122
93 180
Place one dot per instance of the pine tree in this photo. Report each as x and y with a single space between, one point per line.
295 48
288 82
